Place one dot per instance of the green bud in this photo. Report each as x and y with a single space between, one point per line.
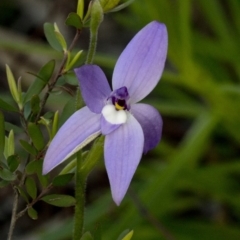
96 15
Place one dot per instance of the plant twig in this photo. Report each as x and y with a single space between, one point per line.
58 74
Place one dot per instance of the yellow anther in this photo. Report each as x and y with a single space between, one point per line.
118 107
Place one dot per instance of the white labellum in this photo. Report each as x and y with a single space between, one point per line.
114 116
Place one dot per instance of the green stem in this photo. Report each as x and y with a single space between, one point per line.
80 200
92 47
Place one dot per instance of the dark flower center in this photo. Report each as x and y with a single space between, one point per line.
119 98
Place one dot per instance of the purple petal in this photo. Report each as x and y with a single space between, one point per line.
94 86
122 152
107 127
151 122
141 64
76 132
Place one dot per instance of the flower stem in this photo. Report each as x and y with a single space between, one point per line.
80 199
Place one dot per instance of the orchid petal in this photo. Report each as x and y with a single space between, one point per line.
151 123
81 128
141 64
122 152
94 86
107 127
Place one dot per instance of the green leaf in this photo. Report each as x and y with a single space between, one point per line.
31 187
87 236
128 236
22 193
7 175
62 180
10 126
2 133
71 78
42 78
35 104
7 107
13 162
74 20
36 136
28 147
12 85
36 167
32 167
60 38
32 213
50 35
59 200
9 147
67 111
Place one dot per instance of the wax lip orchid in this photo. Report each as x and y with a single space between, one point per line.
130 128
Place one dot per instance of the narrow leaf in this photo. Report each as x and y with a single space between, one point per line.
59 200
12 85
50 35
7 107
7 175
31 187
42 78
32 213
13 162
36 136
28 147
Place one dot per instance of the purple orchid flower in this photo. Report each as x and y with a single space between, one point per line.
131 128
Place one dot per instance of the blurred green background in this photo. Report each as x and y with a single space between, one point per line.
189 186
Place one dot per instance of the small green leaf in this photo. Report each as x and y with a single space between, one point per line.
32 213
87 236
71 63
12 85
36 136
71 79
9 126
7 107
42 78
7 175
28 147
67 111
62 180
32 167
74 20
59 200
50 35
9 147
22 193
31 187
35 104
13 162
2 133
128 236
